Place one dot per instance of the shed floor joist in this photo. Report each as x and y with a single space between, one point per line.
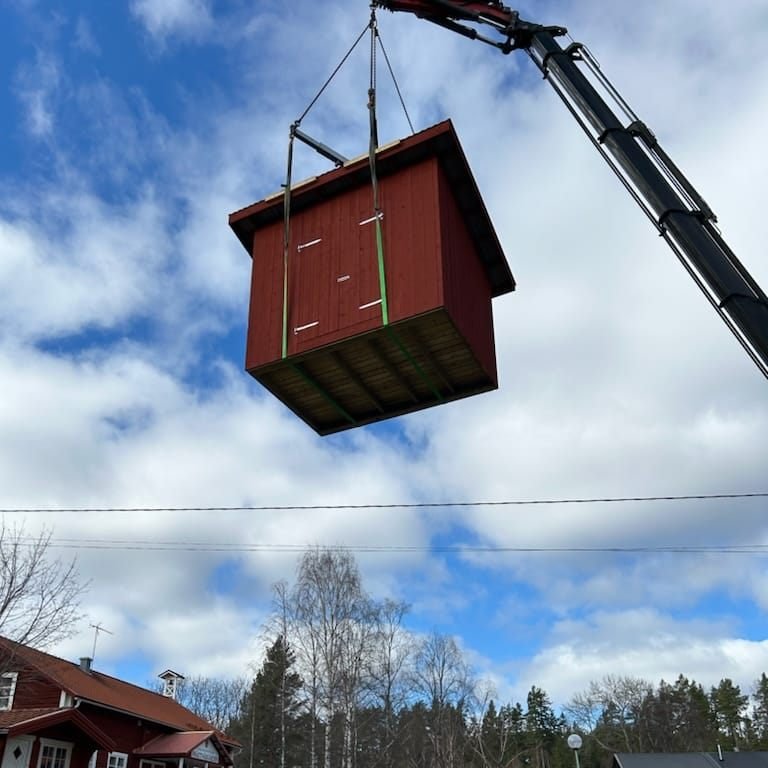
387 372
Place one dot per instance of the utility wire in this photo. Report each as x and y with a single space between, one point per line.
182 546
403 505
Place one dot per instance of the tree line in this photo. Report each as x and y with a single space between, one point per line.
345 685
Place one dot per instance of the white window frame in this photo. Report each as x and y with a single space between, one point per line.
55 744
11 677
117 760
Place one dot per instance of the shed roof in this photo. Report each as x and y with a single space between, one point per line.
438 141
104 690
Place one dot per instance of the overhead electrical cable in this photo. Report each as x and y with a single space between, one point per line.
196 546
400 505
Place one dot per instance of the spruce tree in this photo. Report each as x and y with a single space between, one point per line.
268 727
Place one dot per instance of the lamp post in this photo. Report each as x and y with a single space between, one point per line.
574 742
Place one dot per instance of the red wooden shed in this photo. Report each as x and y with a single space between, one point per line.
344 365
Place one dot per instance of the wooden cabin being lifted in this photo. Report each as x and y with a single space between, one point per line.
344 343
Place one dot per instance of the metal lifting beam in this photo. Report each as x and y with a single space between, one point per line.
659 187
669 199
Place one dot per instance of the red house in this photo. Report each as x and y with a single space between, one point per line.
57 714
368 314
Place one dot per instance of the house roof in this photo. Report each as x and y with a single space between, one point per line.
11 717
176 744
183 745
692 760
19 721
106 691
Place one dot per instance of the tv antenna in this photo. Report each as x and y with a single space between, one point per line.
96 629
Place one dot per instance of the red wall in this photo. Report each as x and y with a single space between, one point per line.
331 280
127 731
467 288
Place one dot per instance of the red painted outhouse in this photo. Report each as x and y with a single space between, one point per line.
318 335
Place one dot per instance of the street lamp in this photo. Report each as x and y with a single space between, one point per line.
574 742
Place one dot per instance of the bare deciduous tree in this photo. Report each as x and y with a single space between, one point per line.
217 700
39 595
333 613
391 650
444 681
610 710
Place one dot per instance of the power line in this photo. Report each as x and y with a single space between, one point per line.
192 546
403 505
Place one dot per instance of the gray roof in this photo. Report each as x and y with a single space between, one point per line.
692 760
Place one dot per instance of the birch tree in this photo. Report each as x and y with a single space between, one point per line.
39 594
333 623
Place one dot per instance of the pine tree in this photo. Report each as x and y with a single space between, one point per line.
268 727
543 726
760 712
729 708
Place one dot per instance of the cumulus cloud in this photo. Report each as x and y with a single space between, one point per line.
645 644
121 334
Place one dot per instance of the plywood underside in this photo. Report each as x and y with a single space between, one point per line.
410 365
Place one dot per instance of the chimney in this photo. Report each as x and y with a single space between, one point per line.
85 663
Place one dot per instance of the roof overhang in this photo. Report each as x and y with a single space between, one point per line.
192 745
439 141
60 717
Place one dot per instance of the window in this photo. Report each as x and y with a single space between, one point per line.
152 764
54 754
117 760
7 689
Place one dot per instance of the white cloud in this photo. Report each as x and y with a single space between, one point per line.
98 270
616 377
173 18
644 644
85 40
37 87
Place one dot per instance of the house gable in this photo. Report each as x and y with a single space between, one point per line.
70 716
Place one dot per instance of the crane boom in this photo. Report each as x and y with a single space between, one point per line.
667 197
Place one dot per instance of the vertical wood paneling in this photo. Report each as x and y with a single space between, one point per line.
412 240
467 289
266 304
438 288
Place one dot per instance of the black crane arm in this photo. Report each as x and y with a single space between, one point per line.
663 192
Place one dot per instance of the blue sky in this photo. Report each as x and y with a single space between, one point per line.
130 130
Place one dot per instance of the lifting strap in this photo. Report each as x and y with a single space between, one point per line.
378 215
287 192
373 145
287 239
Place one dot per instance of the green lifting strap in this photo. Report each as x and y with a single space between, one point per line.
372 147
412 360
382 274
287 239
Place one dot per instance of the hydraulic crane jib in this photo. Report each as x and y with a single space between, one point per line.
660 188
497 15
